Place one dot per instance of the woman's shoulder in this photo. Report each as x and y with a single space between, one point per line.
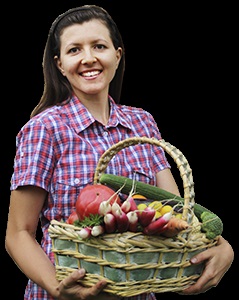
45 119
132 109
134 112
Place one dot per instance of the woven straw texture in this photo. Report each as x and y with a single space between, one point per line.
133 263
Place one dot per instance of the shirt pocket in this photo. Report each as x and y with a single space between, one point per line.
64 194
144 174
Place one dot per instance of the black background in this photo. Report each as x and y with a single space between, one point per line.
180 66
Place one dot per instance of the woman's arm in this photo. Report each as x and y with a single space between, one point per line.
25 206
166 181
21 244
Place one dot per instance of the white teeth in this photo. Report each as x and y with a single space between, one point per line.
89 74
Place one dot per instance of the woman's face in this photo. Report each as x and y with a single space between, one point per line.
88 58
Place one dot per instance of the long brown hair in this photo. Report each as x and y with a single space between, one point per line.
56 87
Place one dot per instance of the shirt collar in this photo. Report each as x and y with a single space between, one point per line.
80 118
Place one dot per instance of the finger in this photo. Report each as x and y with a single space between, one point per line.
97 288
70 280
193 290
200 257
201 286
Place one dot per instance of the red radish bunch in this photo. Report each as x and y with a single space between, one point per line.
122 221
110 223
157 226
146 216
129 205
133 220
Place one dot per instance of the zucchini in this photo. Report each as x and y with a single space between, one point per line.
155 193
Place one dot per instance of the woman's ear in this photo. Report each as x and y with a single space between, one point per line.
118 56
59 66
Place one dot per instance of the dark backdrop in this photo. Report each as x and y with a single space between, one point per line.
179 66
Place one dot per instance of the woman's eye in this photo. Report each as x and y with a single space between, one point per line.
74 50
100 47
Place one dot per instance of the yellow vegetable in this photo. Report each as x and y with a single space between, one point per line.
157 205
157 214
141 206
138 196
166 208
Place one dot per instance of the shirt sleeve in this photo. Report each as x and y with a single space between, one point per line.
34 159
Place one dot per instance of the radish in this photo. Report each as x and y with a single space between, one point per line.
133 221
110 223
97 230
122 220
115 207
157 226
106 205
85 232
129 205
146 216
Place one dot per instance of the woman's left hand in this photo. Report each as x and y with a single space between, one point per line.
216 265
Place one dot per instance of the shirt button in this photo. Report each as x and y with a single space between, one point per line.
22 154
77 180
105 133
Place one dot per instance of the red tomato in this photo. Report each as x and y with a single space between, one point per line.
72 218
90 198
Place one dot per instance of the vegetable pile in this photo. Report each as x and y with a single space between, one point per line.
99 210
97 215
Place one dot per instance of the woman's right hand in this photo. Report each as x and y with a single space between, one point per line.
69 288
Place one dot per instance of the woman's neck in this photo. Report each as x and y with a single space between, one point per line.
99 108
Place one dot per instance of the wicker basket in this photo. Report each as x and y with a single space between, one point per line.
133 263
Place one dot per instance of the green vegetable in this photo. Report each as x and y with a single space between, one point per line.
145 189
91 220
212 228
142 188
211 224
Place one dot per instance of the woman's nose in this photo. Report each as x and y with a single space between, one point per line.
88 58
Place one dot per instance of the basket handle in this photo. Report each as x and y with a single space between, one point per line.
176 154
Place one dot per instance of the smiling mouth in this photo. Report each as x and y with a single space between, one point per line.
90 74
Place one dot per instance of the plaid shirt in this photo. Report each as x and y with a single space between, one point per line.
59 148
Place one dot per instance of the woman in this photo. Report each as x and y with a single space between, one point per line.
76 120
